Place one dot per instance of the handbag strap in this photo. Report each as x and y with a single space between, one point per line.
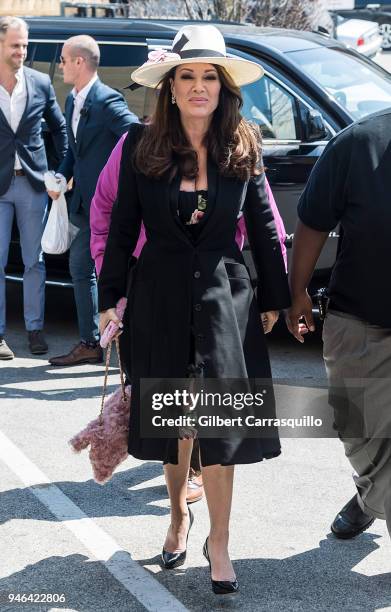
121 374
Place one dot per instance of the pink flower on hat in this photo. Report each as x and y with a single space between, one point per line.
161 55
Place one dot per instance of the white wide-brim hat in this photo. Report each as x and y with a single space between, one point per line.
196 44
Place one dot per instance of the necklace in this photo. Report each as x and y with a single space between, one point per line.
201 204
200 208
201 201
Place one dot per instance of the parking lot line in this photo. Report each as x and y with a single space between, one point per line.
148 591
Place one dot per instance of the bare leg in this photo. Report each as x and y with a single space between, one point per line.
195 463
218 483
176 481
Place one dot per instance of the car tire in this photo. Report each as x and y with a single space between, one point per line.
385 31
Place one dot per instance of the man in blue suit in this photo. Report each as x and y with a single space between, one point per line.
26 97
96 117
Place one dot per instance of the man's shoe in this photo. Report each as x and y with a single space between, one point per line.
5 351
81 353
351 521
195 488
37 343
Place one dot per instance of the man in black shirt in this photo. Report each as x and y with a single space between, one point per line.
351 185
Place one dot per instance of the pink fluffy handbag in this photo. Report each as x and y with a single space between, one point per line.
107 435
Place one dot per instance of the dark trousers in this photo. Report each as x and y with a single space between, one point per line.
82 270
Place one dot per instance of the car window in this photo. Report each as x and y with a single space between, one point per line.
117 62
269 105
360 88
116 65
42 56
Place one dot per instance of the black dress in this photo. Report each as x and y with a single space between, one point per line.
188 203
191 299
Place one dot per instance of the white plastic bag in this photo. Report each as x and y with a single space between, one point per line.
59 232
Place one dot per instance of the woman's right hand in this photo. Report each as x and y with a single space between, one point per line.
105 317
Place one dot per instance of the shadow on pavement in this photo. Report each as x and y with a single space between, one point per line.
87 586
316 580
319 579
14 376
113 499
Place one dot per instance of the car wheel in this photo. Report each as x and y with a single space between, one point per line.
385 31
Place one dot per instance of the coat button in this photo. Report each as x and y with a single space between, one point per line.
198 307
197 274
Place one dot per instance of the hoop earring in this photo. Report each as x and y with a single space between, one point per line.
173 99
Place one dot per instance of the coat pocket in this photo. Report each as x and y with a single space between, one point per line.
236 270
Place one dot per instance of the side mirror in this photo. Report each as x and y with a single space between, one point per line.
313 127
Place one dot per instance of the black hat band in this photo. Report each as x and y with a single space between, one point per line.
199 53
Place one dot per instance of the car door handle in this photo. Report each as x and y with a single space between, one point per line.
270 171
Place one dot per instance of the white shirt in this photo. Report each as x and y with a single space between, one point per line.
13 105
79 99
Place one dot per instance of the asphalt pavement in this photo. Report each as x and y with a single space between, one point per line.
84 547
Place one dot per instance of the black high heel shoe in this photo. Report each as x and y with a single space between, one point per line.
171 560
220 587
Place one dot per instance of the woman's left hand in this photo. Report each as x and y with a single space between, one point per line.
269 319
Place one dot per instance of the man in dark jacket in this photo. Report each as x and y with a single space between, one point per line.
96 117
26 97
351 185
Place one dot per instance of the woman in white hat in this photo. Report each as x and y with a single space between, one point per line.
189 176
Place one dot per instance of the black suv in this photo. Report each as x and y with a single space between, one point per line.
313 87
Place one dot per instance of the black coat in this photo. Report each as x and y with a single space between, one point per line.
183 290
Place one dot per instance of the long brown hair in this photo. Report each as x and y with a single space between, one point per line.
233 143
